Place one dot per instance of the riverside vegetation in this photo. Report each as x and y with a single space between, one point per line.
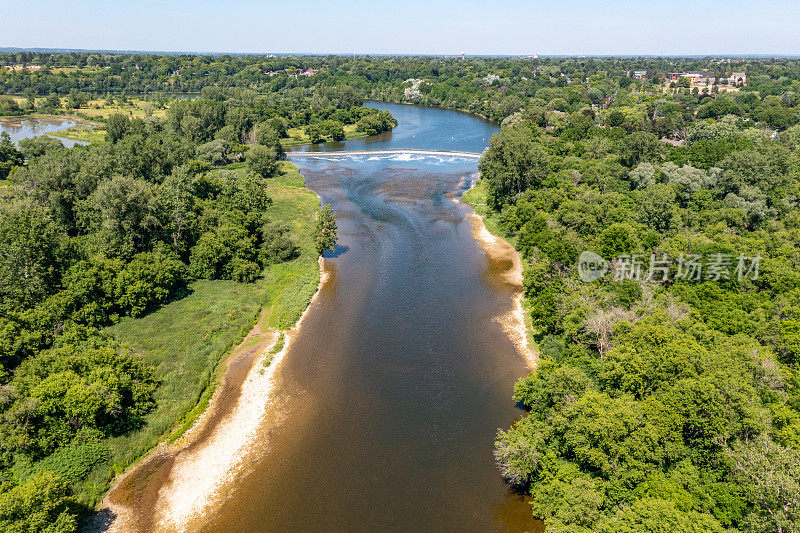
667 406
128 268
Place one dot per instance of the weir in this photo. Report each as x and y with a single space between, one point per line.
398 151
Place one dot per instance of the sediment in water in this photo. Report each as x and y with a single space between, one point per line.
513 322
176 486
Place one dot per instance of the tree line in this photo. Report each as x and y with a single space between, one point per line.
115 229
493 87
663 402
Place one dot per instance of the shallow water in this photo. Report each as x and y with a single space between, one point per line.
388 400
400 376
19 128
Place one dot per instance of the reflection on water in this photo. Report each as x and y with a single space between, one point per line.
422 128
19 128
399 378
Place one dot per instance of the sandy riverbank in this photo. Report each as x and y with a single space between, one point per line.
501 251
173 487
176 486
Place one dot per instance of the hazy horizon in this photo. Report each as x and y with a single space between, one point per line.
64 49
614 28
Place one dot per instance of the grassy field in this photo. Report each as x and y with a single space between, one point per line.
96 109
81 133
134 107
298 135
187 339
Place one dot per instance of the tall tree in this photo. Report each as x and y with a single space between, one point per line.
326 230
30 246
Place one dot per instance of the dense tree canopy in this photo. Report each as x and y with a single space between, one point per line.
663 401
493 87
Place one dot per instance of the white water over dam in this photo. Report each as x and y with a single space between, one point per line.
397 151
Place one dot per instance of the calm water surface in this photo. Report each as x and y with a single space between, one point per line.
400 376
19 128
418 127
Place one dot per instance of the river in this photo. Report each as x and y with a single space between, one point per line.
389 397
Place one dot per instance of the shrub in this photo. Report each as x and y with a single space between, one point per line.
242 270
277 244
214 152
85 382
149 279
376 123
43 504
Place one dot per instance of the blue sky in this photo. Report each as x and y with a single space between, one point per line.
412 27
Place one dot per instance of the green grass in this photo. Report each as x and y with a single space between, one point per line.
277 347
81 133
186 340
135 108
97 110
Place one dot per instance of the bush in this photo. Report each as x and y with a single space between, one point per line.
376 123
242 270
84 383
213 257
314 133
10 107
214 152
37 146
277 244
149 279
43 504
333 129
206 256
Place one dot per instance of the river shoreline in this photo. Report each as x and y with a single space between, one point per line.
514 323
176 485
186 484
190 474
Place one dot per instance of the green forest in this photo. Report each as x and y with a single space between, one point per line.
667 402
662 402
